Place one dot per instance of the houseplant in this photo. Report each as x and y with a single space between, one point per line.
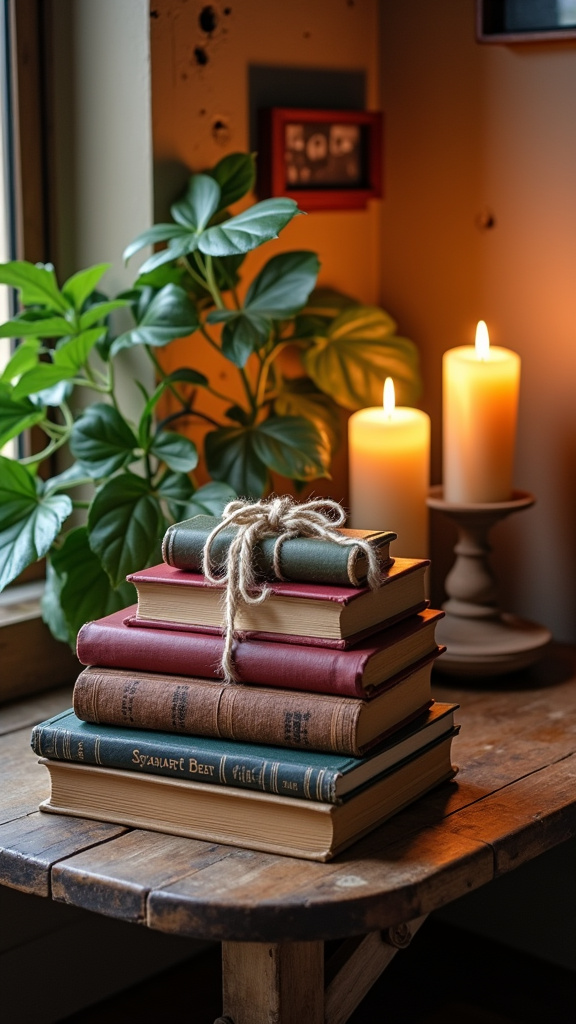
130 480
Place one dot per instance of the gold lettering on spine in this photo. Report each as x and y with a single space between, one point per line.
67 744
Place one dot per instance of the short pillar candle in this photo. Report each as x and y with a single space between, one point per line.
389 451
480 404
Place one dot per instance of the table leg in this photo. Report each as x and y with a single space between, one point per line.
273 983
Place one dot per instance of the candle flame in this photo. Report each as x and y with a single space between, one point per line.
482 341
389 397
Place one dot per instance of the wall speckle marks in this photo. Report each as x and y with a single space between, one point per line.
208 20
221 131
200 56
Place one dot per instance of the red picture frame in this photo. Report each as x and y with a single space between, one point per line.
323 159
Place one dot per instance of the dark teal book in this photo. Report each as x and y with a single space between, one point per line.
305 775
302 559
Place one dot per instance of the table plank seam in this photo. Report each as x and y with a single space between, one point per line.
507 785
84 849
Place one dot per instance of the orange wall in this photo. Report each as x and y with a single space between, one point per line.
189 99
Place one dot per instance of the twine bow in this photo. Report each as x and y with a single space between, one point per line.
280 517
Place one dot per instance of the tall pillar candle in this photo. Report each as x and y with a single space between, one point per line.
480 403
389 453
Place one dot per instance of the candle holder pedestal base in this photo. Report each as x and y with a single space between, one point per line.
480 639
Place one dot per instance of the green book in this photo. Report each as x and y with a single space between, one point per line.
306 775
302 559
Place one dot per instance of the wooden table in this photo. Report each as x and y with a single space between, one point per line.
514 798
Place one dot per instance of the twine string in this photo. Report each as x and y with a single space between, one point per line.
281 517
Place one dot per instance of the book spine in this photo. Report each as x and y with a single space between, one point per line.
203 708
314 561
164 757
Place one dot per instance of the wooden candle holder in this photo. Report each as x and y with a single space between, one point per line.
480 639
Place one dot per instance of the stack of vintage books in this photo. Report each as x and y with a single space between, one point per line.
331 728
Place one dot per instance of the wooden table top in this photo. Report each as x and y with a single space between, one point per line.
514 798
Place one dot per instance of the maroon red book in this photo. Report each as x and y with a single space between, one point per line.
120 641
294 612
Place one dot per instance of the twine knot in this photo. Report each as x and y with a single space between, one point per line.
281 517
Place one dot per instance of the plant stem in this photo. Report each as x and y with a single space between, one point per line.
210 340
195 276
211 280
188 412
264 370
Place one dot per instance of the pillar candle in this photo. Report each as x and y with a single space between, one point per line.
480 402
389 450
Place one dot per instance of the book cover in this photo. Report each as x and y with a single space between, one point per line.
120 640
172 595
307 829
305 559
251 714
304 775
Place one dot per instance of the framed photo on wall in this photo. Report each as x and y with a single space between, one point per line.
324 159
525 21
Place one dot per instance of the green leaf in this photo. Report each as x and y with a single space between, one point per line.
177 452
102 441
293 447
49 327
235 175
78 589
199 204
209 500
29 520
52 612
328 303
231 457
157 233
36 283
359 350
125 524
185 375
283 285
300 398
280 288
41 377
23 359
74 476
54 395
100 310
16 414
243 334
176 488
169 315
81 285
73 354
248 229
158 278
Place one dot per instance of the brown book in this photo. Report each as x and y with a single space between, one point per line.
312 610
241 817
252 714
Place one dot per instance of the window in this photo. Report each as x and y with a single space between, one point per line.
6 187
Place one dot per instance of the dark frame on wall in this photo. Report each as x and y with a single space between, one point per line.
523 21
324 159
